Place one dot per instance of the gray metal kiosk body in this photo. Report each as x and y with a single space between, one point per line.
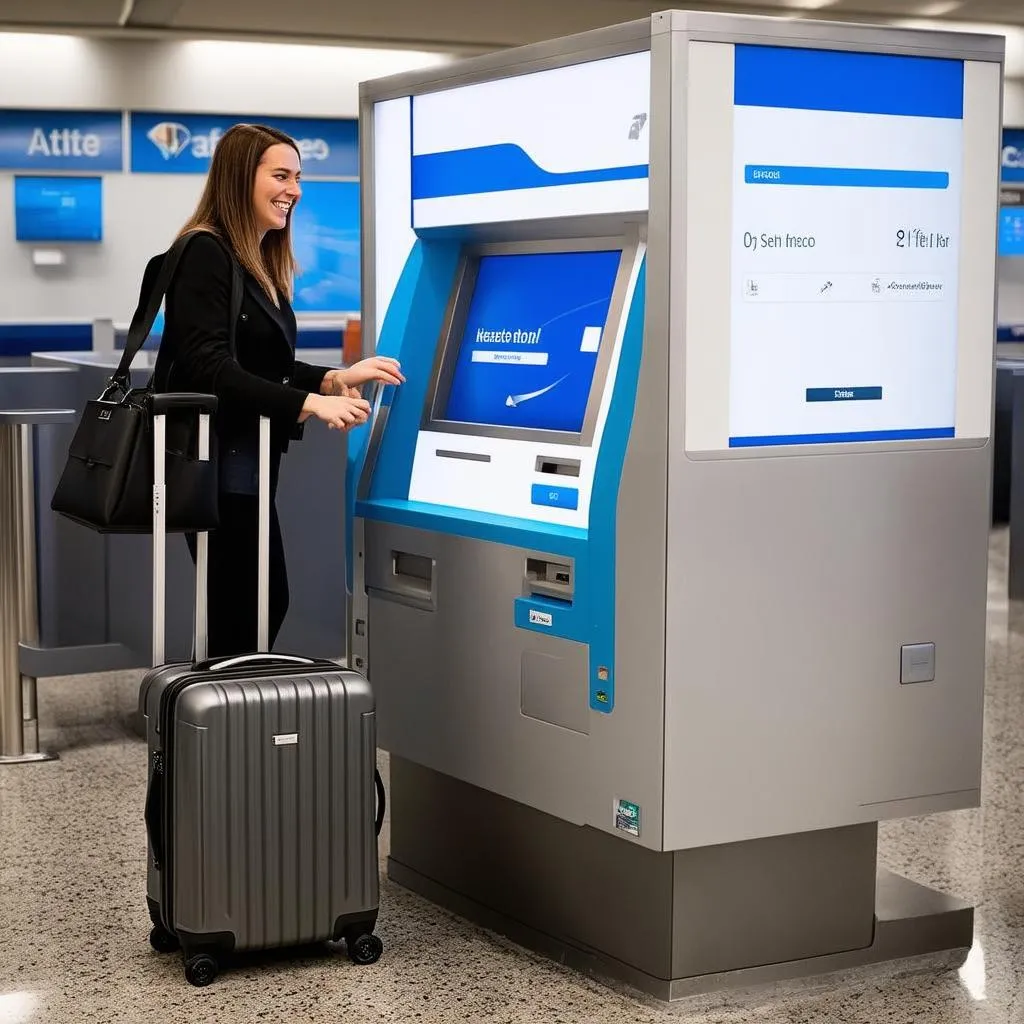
653 659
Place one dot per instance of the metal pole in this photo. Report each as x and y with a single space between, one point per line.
19 612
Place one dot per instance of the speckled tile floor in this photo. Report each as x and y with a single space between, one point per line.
74 926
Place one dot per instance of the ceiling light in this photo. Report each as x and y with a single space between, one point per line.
808 5
939 9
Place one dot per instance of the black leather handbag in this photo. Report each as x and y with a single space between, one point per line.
107 483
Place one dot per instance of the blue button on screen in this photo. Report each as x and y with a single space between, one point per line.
556 497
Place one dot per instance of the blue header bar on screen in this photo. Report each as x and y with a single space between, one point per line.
861 83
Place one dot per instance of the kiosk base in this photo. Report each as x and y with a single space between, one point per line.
673 924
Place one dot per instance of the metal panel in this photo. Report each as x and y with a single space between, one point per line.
447 672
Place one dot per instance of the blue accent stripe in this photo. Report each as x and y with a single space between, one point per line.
420 298
1010 332
604 501
525 533
768 440
24 339
843 177
500 168
413 322
862 83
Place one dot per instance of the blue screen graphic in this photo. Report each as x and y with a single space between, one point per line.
58 209
528 353
1011 231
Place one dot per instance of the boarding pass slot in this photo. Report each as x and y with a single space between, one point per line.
553 466
412 575
549 578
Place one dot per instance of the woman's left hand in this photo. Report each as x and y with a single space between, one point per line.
377 368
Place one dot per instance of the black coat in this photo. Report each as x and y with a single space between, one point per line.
265 380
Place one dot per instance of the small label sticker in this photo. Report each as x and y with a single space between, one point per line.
627 817
540 618
285 739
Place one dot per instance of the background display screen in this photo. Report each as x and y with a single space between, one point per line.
58 209
1011 231
534 328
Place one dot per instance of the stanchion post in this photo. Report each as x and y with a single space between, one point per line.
19 611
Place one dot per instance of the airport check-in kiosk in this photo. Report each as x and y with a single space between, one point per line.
669 559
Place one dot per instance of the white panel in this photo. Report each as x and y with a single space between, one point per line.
393 235
978 245
533 204
708 223
582 119
567 119
504 485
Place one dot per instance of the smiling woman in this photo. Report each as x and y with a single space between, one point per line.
244 219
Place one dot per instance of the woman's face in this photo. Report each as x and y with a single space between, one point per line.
276 189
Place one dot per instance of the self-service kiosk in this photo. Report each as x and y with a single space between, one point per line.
669 559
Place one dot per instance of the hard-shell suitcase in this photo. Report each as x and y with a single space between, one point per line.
262 784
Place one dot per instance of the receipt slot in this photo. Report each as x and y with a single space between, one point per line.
669 558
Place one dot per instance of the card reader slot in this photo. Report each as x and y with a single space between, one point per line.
551 465
548 578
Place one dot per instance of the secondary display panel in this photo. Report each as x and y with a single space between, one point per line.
57 209
839 248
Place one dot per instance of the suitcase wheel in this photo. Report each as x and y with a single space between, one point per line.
366 949
163 941
200 970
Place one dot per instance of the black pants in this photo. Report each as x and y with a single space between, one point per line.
233 583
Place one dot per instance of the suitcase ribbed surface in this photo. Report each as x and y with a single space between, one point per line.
273 807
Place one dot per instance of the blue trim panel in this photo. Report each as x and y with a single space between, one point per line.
1010 332
604 502
499 168
566 622
319 337
859 83
843 177
420 299
769 440
24 339
410 332
460 522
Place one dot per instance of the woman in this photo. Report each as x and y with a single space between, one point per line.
245 214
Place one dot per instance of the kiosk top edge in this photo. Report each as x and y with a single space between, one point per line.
711 26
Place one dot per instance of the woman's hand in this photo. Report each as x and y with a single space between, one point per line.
339 413
377 368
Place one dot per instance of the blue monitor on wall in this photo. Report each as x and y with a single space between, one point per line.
1011 231
529 347
325 236
55 209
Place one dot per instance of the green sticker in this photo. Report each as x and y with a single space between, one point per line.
627 817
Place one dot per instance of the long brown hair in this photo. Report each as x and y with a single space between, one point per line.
226 209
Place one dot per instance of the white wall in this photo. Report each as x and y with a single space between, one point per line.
142 213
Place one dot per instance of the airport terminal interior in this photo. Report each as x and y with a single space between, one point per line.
654 649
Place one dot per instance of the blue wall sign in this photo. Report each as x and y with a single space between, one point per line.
55 140
1013 154
184 143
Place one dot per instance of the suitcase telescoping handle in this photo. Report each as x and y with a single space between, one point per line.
206 406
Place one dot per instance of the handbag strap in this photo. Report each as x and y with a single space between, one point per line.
146 312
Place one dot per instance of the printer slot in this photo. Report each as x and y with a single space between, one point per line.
548 578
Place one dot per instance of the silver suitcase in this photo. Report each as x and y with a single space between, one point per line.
260 810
